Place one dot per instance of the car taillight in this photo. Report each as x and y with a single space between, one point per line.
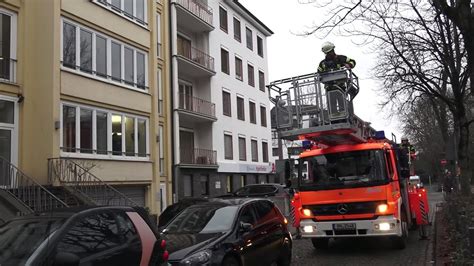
163 244
165 255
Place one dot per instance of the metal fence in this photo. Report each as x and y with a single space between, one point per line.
198 156
198 8
196 105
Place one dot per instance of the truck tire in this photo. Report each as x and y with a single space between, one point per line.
400 242
320 243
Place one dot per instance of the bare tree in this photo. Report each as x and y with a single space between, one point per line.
423 55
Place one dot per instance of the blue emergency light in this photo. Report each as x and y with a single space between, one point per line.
307 144
379 134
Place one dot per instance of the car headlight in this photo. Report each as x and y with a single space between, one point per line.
198 258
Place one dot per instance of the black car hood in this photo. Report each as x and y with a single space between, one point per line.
181 245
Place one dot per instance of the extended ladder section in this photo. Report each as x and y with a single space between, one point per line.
318 107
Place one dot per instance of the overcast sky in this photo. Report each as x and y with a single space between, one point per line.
292 55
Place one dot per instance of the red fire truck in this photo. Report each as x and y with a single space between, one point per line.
351 180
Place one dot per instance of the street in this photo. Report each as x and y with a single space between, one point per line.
368 251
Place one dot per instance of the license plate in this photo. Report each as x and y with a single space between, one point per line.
351 226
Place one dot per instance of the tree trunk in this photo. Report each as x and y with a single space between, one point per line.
463 156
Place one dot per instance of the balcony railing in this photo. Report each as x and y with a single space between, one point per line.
198 156
196 105
8 69
199 9
197 56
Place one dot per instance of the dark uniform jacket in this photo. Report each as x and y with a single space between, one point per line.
336 63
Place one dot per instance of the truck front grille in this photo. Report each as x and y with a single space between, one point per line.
366 207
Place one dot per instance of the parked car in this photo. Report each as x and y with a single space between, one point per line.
171 211
229 232
82 236
277 193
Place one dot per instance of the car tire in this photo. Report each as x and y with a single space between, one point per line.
230 261
400 242
320 243
285 257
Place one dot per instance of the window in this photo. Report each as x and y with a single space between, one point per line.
238 69
161 151
252 113
254 146
160 92
127 134
229 184
251 75
226 105
158 35
101 56
8 46
86 130
7 112
204 185
228 151
263 116
224 61
133 10
188 185
248 34
247 215
261 81
237 32
69 45
275 152
223 19
265 151
101 239
243 180
240 109
69 129
259 46
242 149
264 211
128 64
85 50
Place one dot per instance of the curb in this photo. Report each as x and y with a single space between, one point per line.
431 252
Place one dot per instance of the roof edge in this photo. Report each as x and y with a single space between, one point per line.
257 22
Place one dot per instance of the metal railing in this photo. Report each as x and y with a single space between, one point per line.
196 105
197 56
84 184
198 8
8 69
198 156
29 192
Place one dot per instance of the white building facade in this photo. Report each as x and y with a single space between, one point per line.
222 132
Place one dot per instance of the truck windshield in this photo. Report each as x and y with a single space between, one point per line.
343 169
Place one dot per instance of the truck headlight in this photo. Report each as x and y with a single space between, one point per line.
306 212
198 258
382 208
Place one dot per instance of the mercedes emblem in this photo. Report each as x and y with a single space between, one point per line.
342 208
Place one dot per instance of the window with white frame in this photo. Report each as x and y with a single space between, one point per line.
102 133
162 151
158 35
8 45
99 56
134 10
160 91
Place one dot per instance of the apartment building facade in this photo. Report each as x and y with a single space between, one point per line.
222 135
85 81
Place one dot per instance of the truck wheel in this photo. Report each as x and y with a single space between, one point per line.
400 242
320 243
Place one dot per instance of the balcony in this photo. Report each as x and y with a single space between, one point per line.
197 157
194 109
194 63
8 70
194 15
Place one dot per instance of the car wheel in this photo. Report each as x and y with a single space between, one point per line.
320 243
230 261
285 257
400 242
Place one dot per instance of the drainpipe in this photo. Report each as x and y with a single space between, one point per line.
173 116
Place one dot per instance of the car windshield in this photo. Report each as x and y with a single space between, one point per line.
20 238
343 169
203 219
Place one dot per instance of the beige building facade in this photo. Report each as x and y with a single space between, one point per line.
86 81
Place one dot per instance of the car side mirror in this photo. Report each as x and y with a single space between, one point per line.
245 227
66 259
